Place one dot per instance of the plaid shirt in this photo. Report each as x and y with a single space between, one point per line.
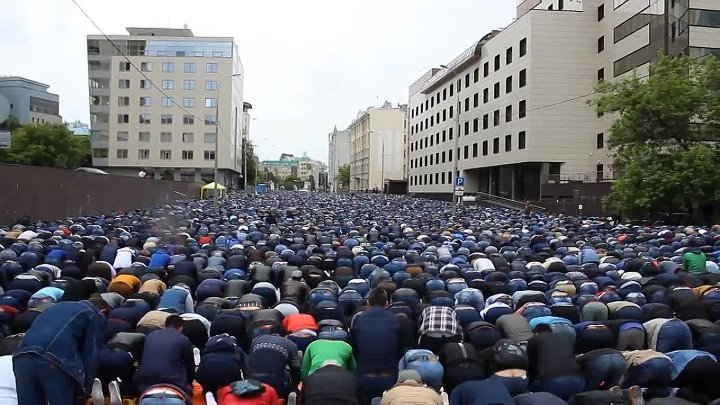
441 320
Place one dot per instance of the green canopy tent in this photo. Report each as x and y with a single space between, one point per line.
208 190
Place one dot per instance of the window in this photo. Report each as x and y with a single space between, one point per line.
508 143
210 120
496 90
190 68
122 136
476 100
211 68
188 137
508 56
561 5
496 117
475 150
467 80
188 102
188 119
211 85
125 101
600 140
189 84
143 154
497 62
522 80
145 84
522 109
476 123
466 152
166 137
476 75
146 67
209 137
165 154
496 145
508 84
551 7
451 94
123 118
124 66
431 159
121 153
443 156
508 113
168 85
486 119
467 104
168 67
124 83
485 148
521 140
444 115
600 169
601 12
450 111
523 47
144 136
187 155
467 127
166 102
444 136
166 119
210 102
100 153
486 69
444 95
442 177
145 101
601 75
486 95
601 44
450 155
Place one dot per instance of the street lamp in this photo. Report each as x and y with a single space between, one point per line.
217 137
457 143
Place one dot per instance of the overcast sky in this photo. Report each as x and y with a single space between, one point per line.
309 65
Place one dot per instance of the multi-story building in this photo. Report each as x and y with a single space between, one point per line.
377 147
338 155
303 168
522 92
30 101
155 98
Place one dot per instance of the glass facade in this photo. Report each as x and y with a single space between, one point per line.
208 49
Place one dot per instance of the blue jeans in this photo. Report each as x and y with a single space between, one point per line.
39 382
563 387
162 401
654 373
604 372
373 386
514 385
674 335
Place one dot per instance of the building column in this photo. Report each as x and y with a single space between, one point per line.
157 174
198 175
512 182
176 175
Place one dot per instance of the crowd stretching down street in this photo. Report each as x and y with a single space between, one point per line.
352 299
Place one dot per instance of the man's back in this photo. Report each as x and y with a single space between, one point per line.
167 358
375 337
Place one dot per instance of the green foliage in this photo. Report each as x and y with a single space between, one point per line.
250 159
664 137
344 175
291 183
51 145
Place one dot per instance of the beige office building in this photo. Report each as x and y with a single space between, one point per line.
523 92
157 112
377 147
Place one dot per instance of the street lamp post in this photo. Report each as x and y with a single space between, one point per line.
457 143
217 137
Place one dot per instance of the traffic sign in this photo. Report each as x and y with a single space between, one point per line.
460 182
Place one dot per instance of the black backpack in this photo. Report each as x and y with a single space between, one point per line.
506 354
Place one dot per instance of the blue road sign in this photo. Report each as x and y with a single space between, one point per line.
460 182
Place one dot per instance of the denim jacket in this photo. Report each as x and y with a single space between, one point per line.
70 335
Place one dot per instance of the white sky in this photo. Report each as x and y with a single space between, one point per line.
309 65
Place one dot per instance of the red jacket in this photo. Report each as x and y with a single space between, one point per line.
225 396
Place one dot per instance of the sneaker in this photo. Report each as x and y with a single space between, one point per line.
115 398
635 395
97 393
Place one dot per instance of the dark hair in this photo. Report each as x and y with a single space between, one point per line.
542 328
174 321
378 297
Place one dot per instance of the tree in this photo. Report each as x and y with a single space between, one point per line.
291 182
51 145
249 157
664 137
311 180
344 175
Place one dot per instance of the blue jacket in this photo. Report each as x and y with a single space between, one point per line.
167 359
70 335
376 341
159 259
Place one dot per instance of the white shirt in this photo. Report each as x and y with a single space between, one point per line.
8 393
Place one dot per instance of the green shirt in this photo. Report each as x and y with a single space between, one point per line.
320 351
694 262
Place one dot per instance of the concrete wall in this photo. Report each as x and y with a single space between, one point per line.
45 193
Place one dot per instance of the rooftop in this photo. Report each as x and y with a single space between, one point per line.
22 79
160 32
